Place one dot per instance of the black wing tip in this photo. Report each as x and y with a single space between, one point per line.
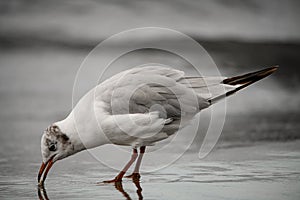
265 72
273 68
244 81
251 77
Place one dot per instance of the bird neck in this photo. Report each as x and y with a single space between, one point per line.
81 127
68 127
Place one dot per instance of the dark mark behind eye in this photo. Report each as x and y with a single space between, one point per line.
64 137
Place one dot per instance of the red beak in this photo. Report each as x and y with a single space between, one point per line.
44 169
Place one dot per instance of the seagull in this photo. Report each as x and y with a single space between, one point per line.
137 108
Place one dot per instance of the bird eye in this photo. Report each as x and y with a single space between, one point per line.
52 147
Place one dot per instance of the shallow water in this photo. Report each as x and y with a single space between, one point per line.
270 172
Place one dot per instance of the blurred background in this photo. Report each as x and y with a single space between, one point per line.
43 43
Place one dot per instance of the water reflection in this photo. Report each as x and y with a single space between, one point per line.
42 194
119 187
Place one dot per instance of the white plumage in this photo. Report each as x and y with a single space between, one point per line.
133 106
137 108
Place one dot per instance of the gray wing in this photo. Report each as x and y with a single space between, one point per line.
156 88
152 88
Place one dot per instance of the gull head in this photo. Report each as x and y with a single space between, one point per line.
55 145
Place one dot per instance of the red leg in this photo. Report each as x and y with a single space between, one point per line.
119 177
136 172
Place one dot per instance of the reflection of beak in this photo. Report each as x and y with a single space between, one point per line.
45 167
42 194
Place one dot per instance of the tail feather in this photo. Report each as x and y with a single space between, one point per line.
234 84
